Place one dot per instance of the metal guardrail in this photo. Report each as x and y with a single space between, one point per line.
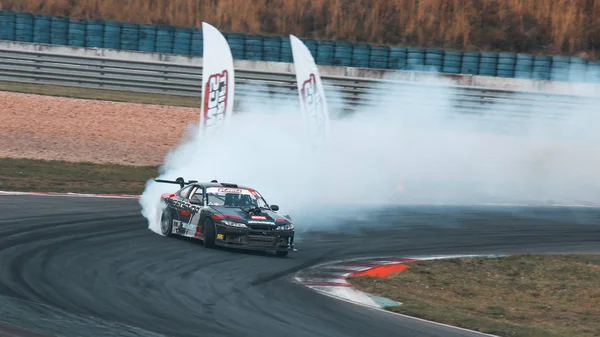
254 87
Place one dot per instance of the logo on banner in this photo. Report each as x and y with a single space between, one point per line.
215 99
313 103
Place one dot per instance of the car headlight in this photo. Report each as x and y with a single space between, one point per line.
285 227
234 224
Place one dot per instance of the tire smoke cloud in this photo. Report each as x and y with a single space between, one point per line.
409 147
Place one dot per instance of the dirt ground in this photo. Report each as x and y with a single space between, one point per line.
48 127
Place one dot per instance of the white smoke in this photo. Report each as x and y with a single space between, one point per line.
412 146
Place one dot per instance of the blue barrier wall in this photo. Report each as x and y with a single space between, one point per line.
188 41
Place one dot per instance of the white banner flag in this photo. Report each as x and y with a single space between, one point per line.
310 88
217 81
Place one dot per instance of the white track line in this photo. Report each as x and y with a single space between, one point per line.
69 194
128 196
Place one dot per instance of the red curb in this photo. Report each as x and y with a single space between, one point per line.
383 271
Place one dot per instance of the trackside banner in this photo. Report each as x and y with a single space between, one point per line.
310 88
217 81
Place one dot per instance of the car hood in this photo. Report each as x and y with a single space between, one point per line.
265 217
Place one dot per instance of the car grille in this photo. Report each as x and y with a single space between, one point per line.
261 227
261 241
262 233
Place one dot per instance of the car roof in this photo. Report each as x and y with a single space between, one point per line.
230 185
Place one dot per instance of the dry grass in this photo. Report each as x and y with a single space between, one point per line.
60 176
530 295
101 94
541 26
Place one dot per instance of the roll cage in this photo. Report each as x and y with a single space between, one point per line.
196 194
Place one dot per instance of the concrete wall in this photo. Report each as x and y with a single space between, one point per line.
484 82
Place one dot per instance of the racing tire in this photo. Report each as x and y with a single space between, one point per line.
282 253
166 223
209 233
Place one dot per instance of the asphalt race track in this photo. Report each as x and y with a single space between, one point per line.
90 267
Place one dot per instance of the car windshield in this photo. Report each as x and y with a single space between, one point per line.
234 197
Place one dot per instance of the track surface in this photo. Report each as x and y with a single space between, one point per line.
90 267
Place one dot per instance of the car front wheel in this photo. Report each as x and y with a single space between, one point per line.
209 233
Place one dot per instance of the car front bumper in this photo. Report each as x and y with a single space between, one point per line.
248 238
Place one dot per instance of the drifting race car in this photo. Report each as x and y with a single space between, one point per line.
227 215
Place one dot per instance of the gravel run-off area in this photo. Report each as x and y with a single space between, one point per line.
59 128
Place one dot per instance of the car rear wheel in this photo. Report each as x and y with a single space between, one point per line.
166 223
209 233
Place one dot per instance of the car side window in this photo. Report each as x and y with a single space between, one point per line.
186 192
196 195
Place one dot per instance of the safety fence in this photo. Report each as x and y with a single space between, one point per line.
25 27
278 91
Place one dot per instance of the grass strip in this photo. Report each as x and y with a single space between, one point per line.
516 296
101 94
59 176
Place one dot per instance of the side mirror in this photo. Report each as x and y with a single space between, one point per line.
195 202
274 207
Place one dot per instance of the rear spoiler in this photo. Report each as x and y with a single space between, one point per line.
180 181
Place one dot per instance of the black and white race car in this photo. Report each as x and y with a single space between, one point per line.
226 215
